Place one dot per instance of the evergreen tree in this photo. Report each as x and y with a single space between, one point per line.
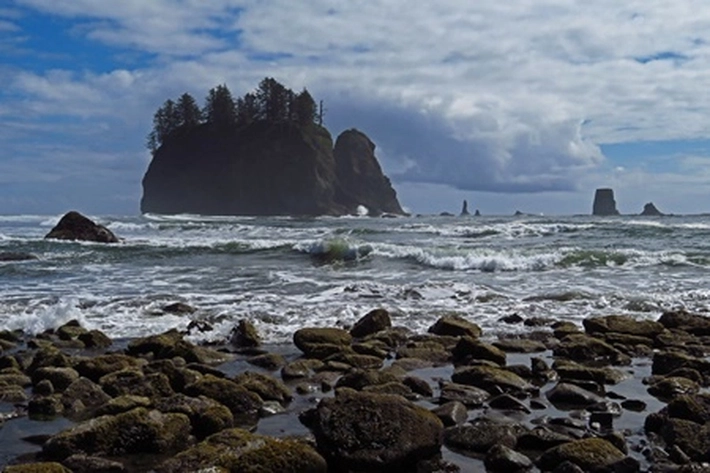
274 100
190 113
248 110
165 121
220 107
304 108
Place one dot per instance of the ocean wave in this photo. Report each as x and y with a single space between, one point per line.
334 250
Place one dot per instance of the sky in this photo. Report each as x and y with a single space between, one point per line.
523 105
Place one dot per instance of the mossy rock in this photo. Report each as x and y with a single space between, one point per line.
267 387
121 404
236 450
135 382
667 361
13 377
672 386
360 379
571 370
356 360
95 339
695 324
268 361
306 339
427 350
83 394
45 407
48 356
245 335
695 408
372 322
96 367
623 324
373 432
43 467
580 347
468 349
207 416
456 326
588 454
480 435
492 379
70 330
243 404
137 431
519 345
691 437
160 345
13 394
301 368
60 378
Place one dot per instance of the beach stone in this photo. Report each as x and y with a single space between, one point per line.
42 467
373 322
491 379
80 463
96 367
308 338
121 404
564 329
542 438
695 324
359 379
355 360
693 439
570 395
95 339
14 377
508 402
373 432
690 407
667 361
48 356
75 226
180 376
206 415
581 347
418 385
371 347
243 403
45 407
623 324
588 454
137 431
427 350
70 330
394 387
468 349
481 434
61 378
519 345
301 368
267 387
239 450
268 361
245 335
470 396
43 388
451 413
392 337
504 459
83 394
132 381
570 370
672 386
456 326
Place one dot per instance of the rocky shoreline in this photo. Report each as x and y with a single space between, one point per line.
615 395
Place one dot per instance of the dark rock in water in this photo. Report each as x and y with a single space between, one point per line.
446 214
502 458
373 432
372 322
245 335
477 213
179 308
74 226
604 203
482 434
267 169
464 209
589 454
650 210
12 256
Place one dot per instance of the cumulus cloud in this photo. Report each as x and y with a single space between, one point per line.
480 96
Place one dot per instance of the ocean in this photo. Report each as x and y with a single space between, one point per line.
288 273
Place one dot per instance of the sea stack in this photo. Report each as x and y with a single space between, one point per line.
604 203
464 209
650 210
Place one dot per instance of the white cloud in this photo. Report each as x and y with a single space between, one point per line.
511 96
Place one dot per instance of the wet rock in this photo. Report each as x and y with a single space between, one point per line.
668 361
95 339
569 395
80 463
503 459
61 378
468 349
354 360
48 356
137 431
359 379
74 226
96 367
508 402
45 407
121 404
243 403
451 413
179 308
372 348
83 394
239 450
623 324
268 388
43 388
456 326
42 467
245 335
494 380
427 350
70 330
206 415
312 340
170 344
132 381
373 432
395 387
693 439
580 347
14 377
519 345
16 256
470 396
572 370
373 322
588 454
301 368
670 387
268 361
419 386
542 438
680 319
482 434
690 407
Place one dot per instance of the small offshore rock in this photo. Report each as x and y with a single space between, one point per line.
179 308
75 226
373 322
245 335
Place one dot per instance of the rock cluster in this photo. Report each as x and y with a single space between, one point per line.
164 404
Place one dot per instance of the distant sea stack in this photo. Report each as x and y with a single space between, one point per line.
464 209
263 154
604 203
650 210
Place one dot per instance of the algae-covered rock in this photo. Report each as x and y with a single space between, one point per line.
695 324
665 362
83 394
580 347
133 381
373 432
207 416
245 335
672 386
373 322
456 326
307 339
623 324
95 339
60 378
80 463
469 349
604 375
267 387
588 454
236 450
137 431
504 459
470 396
43 467
492 379
96 367
244 404
480 435
122 404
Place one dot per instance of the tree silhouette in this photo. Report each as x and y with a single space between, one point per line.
188 110
248 110
165 121
274 100
220 108
304 108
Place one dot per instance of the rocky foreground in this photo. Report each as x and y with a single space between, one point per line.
371 399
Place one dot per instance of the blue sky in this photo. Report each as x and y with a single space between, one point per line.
522 105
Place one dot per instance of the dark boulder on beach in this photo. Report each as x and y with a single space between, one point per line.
75 226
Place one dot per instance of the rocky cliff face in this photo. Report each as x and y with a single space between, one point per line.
266 169
604 203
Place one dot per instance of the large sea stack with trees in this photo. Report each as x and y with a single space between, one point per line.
266 153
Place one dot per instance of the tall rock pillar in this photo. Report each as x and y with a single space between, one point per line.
604 203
